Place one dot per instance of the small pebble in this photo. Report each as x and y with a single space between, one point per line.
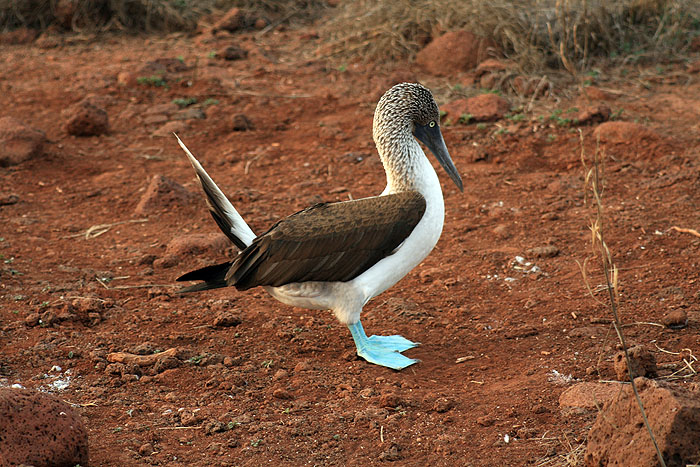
282 394
146 450
546 251
485 420
675 319
280 374
443 404
226 319
390 400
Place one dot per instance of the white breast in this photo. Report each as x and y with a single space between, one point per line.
420 242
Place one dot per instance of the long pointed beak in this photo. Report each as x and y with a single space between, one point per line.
433 140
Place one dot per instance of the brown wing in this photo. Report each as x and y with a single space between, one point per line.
328 242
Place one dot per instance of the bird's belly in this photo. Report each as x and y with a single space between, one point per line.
318 295
407 256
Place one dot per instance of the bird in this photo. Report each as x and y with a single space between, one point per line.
337 256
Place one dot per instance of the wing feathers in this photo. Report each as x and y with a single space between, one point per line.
328 242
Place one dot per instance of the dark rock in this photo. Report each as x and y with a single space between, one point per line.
280 393
302 366
593 114
619 436
19 142
485 420
241 123
675 319
232 21
39 429
453 52
393 453
547 251
190 417
390 400
232 52
166 363
87 119
226 319
214 426
146 450
32 319
642 362
443 404
7 199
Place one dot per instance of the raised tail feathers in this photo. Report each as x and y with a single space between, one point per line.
227 218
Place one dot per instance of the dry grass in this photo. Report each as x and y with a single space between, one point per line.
143 15
594 188
534 33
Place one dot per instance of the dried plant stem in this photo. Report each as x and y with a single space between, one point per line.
594 180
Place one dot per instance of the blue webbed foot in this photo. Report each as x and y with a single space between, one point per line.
382 350
396 343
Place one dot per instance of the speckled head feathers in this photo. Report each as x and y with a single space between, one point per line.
408 100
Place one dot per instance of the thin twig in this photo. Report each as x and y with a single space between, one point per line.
684 230
594 178
99 229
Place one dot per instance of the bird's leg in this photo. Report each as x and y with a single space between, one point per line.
382 350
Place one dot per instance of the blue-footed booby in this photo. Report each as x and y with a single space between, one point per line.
338 256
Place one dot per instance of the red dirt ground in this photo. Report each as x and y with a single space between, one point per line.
283 386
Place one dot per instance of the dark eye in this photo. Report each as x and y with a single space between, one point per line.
431 124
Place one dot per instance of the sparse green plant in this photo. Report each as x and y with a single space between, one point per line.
556 117
180 58
155 81
464 119
551 137
196 359
183 102
210 101
516 117
481 126
256 442
267 363
212 54
616 114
